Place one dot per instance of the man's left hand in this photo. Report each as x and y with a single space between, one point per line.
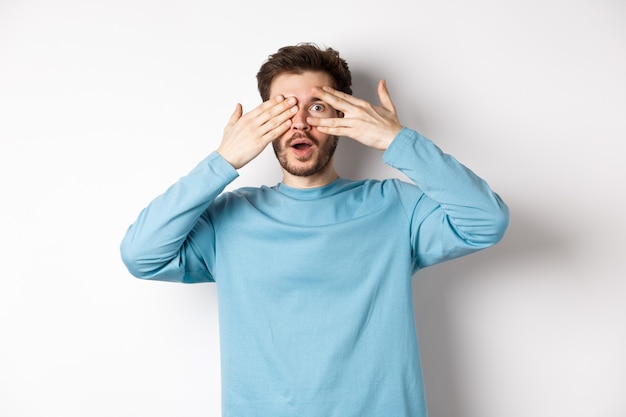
370 125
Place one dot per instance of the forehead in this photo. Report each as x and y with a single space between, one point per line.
299 85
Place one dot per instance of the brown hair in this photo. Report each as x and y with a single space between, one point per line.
300 58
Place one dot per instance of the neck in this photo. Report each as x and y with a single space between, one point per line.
320 179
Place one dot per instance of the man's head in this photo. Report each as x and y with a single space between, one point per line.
300 58
304 151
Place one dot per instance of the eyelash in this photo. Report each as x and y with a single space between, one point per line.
322 108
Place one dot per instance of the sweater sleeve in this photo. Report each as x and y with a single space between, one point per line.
158 244
457 213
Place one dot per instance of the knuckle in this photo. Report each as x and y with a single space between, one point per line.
274 123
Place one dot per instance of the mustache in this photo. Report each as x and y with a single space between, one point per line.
300 135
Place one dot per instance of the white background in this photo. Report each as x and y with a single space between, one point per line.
104 104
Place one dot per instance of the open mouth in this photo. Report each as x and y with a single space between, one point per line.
301 146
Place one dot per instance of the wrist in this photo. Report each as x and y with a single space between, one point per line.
224 155
389 137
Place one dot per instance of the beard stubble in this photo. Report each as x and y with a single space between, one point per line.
323 157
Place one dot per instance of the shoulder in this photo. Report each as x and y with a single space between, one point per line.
239 196
379 193
390 187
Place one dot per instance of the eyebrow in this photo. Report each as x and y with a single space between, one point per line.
315 100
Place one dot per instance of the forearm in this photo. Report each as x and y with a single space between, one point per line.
157 237
476 213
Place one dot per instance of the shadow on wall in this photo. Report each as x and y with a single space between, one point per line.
528 240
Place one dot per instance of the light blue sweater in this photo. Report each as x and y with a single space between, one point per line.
314 285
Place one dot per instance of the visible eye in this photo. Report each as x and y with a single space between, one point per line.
317 107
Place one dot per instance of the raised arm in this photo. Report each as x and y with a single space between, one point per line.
458 212
158 244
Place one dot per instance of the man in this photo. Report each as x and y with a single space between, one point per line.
314 274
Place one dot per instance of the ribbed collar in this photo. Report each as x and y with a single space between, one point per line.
311 193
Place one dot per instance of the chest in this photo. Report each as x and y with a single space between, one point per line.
255 246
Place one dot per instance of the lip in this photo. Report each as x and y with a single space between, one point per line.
305 151
299 141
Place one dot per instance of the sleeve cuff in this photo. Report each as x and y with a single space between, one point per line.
399 143
217 166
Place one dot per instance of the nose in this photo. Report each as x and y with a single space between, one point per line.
298 121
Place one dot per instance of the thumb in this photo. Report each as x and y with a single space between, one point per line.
236 114
384 97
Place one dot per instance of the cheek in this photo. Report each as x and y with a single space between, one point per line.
277 144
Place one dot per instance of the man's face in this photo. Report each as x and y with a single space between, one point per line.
304 151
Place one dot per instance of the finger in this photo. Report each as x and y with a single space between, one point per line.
236 114
275 131
337 99
278 107
278 117
275 117
340 94
335 126
337 131
266 106
385 97
270 114
328 121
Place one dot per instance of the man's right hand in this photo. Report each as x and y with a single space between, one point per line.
246 135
